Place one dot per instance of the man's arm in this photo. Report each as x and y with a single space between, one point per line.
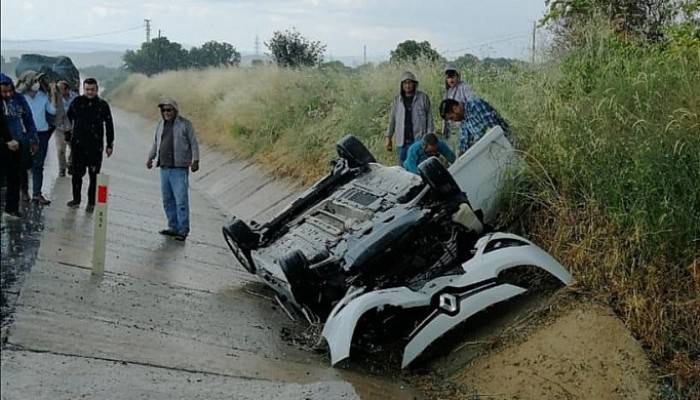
49 107
445 150
154 149
6 135
429 125
70 112
194 145
192 137
109 125
392 119
28 120
392 126
4 130
411 163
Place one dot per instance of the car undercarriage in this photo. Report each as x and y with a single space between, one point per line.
369 237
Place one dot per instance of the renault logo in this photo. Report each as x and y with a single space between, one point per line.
449 303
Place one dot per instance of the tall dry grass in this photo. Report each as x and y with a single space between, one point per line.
611 132
287 119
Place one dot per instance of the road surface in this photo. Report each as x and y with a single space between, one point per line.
167 319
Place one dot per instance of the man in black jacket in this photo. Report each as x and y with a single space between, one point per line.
91 118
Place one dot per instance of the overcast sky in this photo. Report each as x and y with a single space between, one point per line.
485 28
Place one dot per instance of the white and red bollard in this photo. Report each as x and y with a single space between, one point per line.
100 232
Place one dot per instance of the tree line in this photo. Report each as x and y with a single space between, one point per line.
160 54
650 20
288 48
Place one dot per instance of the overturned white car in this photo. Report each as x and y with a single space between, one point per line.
369 238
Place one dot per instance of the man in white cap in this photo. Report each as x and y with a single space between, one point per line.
39 102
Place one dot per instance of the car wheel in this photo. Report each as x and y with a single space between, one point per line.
351 149
436 176
295 268
241 240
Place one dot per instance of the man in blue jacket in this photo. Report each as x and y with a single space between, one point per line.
428 146
40 103
18 119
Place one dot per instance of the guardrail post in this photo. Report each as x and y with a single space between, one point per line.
100 231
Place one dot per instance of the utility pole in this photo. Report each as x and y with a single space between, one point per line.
364 54
148 30
257 46
534 41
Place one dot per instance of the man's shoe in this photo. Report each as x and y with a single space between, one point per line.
62 173
41 200
12 215
90 208
167 232
179 237
73 204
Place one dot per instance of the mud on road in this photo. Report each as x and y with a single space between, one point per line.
166 319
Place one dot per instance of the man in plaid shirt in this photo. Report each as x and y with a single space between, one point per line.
476 117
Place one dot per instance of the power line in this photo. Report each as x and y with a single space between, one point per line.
81 36
502 39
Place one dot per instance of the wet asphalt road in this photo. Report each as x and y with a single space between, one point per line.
167 319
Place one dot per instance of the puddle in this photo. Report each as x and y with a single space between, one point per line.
19 245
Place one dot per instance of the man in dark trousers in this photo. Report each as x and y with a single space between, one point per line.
9 152
23 141
91 118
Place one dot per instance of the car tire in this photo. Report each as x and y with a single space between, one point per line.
351 149
295 267
439 179
241 240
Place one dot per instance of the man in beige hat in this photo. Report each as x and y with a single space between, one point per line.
62 100
176 151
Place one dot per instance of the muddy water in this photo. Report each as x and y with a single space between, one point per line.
166 319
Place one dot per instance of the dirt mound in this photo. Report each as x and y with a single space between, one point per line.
583 353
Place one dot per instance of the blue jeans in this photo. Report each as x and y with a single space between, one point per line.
401 152
38 162
174 186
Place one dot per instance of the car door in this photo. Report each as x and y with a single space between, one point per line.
482 170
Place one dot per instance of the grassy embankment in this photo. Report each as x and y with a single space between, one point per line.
611 133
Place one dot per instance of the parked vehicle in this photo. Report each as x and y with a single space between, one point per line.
53 68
